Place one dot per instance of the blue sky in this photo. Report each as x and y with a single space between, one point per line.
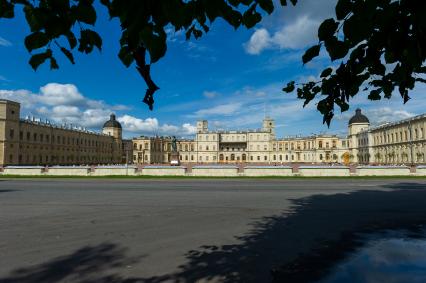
231 78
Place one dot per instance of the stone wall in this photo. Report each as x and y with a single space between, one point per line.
383 171
258 171
163 171
114 171
23 170
215 171
68 171
319 171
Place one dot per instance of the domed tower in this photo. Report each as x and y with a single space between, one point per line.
357 123
112 127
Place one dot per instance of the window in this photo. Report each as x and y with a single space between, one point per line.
35 136
258 158
21 135
28 136
265 158
12 133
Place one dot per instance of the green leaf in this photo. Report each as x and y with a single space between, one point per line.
327 29
36 40
326 72
68 54
88 40
375 94
125 56
71 39
343 8
38 59
6 9
266 5
336 49
290 87
311 53
53 64
84 12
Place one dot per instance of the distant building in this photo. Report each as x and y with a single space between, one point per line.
32 142
401 142
249 146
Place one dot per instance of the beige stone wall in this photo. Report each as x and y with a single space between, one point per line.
25 171
215 171
163 171
258 171
114 171
68 171
323 171
383 171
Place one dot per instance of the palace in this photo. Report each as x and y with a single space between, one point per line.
402 142
31 142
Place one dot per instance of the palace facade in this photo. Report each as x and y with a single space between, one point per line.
250 146
31 142
401 142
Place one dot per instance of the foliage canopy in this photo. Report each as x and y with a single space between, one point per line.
381 44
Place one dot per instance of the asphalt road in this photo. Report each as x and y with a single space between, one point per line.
182 230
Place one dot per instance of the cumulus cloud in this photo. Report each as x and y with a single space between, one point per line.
299 34
5 42
151 126
260 40
63 103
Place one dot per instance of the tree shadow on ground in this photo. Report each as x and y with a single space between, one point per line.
84 265
296 246
301 245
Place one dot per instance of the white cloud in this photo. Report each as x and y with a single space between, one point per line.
210 94
60 94
151 126
260 40
5 42
299 34
63 103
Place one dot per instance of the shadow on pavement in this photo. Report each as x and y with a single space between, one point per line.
296 246
84 265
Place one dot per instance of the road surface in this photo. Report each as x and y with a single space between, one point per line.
186 230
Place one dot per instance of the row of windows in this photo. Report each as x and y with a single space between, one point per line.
401 136
35 137
56 158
